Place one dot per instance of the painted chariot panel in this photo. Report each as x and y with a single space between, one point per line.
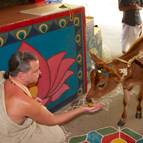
58 39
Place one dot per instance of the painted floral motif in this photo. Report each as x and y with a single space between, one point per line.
55 71
108 135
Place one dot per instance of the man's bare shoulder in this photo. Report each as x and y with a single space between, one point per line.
17 101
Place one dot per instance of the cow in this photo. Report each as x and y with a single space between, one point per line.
126 70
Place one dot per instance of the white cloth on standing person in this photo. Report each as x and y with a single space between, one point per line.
129 35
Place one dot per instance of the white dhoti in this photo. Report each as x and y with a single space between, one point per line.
129 35
29 131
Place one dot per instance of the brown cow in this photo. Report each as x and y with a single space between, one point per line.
126 69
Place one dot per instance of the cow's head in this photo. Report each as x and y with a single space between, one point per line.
104 78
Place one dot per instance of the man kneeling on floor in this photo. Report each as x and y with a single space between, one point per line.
22 118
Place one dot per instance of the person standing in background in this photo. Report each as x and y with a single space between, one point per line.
132 22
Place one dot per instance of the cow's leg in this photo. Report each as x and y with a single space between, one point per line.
123 119
139 108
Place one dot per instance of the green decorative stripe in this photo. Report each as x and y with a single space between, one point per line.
140 141
77 139
79 59
62 23
76 21
131 133
21 33
43 28
106 131
40 28
80 74
78 38
80 91
3 39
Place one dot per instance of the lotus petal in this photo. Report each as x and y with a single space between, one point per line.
54 64
63 68
56 95
57 86
54 73
44 80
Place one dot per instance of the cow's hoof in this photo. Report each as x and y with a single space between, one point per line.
138 115
121 123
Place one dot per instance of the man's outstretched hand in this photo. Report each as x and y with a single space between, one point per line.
95 107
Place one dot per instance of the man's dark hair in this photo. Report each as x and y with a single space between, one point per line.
19 62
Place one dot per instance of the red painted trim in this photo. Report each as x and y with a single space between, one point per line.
84 48
38 19
39 1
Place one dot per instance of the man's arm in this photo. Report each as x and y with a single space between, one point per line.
41 115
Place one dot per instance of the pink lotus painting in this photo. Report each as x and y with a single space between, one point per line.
55 71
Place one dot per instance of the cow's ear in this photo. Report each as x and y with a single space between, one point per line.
96 59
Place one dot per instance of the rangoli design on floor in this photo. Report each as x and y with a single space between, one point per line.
109 135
